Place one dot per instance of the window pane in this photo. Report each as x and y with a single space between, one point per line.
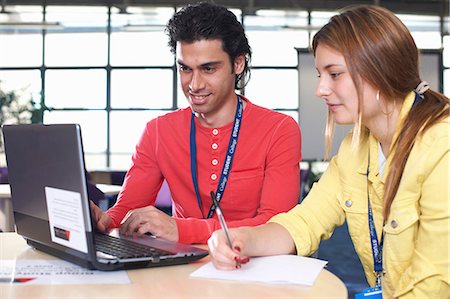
421 23
273 35
273 88
427 40
19 50
446 52
92 123
24 86
320 18
140 18
79 18
127 127
83 39
21 19
138 37
140 49
447 82
181 101
141 88
424 29
276 48
95 161
26 82
120 161
76 49
75 88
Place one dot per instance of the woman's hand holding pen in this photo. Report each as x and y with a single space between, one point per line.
224 257
262 240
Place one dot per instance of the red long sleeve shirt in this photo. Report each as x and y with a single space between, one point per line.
264 178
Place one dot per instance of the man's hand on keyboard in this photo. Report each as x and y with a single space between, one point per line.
150 219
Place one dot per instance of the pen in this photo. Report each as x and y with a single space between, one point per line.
223 224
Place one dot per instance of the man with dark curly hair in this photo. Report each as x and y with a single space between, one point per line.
222 145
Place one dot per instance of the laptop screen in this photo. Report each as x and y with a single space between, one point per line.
51 205
48 185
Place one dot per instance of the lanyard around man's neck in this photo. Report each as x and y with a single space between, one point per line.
226 164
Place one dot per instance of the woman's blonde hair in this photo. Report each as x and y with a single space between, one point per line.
379 49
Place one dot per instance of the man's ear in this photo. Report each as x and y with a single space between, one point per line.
239 64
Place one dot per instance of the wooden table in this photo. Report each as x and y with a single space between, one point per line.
162 282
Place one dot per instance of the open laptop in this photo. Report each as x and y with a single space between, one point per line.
51 207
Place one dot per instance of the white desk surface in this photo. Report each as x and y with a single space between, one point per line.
162 282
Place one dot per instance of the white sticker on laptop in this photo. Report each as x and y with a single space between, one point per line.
66 218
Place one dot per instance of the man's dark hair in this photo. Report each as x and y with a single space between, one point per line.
207 21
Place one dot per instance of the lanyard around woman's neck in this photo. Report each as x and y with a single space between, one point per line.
377 248
228 159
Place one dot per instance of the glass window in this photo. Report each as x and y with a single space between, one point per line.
82 41
27 82
141 88
424 29
20 50
427 40
446 52
21 19
127 127
79 18
120 161
138 37
92 123
95 161
277 47
140 49
320 18
182 101
273 36
447 82
273 88
140 18
75 88
421 23
76 49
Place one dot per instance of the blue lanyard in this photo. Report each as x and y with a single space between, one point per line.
228 159
377 248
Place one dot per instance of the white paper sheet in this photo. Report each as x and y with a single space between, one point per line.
56 272
279 269
66 218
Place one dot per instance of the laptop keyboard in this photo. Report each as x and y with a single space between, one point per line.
124 249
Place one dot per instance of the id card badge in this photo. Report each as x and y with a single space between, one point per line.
370 293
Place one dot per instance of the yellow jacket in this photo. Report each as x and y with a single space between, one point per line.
416 234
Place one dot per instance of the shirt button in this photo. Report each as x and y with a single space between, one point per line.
215 132
214 162
214 146
394 223
348 203
213 176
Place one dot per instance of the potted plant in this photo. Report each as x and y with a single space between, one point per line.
17 107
